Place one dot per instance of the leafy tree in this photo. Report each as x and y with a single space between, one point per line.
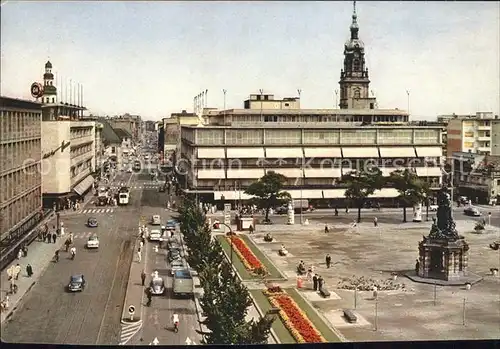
361 184
268 191
410 187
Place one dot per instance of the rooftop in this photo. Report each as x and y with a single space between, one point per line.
309 111
122 134
108 134
17 103
313 125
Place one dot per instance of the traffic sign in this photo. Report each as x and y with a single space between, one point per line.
227 214
131 310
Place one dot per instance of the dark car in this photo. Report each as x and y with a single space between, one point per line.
281 210
76 283
173 255
92 222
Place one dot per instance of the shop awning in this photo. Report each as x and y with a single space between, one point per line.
322 152
428 171
397 152
251 173
360 152
231 195
212 174
334 193
323 172
288 172
84 185
423 152
283 153
306 194
211 153
385 193
245 153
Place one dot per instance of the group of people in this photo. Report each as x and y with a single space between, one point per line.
316 279
50 236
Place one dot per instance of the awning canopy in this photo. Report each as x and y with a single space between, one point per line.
322 152
84 185
231 195
385 193
423 152
288 172
211 153
397 152
428 171
283 153
334 193
212 174
360 152
306 194
250 173
323 172
245 153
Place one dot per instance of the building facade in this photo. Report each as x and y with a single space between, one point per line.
20 171
130 123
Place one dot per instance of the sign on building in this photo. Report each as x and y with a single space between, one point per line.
227 214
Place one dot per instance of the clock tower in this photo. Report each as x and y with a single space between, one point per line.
354 81
49 90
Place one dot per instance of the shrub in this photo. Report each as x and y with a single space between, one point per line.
479 226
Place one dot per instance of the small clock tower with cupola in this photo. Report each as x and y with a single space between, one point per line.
354 81
49 90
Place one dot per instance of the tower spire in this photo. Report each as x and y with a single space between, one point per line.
354 24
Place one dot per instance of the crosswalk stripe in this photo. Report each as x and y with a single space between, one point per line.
128 331
108 210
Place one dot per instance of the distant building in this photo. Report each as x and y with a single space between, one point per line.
20 170
112 144
130 123
171 130
126 140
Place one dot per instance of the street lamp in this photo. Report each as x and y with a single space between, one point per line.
231 233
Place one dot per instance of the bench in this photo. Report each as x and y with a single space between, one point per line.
324 292
349 315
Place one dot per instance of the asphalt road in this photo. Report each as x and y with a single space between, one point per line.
50 314
157 318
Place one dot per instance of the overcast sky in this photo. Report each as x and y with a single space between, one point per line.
152 58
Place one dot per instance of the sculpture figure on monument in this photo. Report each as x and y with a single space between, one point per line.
444 227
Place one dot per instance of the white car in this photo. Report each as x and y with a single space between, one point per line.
155 235
156 220
433 207
93 242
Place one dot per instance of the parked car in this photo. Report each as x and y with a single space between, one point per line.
76 283
171 224
93 242
176 265
92 222
173 255
281 210
157 286
433 208
156 220
472 211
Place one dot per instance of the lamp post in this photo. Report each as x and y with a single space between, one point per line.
408 100
231 233
224 91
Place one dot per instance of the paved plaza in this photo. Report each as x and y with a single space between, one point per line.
408 313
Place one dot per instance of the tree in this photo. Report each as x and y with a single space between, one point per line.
361 184
411 188
268 191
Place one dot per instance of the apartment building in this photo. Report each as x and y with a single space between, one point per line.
20 175
495 138
472 133
130 123
112 144
169 132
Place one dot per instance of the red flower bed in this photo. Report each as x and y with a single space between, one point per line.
297 319
245 251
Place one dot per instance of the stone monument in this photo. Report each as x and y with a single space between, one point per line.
443 254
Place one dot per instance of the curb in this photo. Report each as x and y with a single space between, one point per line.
269 259
137 313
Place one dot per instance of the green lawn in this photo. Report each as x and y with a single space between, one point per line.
281 331
274 274
318 322
238 264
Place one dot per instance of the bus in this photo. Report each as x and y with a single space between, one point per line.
124 196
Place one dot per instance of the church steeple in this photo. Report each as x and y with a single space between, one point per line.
49 90
354 81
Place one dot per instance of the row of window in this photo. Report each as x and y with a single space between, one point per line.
19 124
14 155
18 182
18 210
252 136
80 132
78 169
80 150
316 118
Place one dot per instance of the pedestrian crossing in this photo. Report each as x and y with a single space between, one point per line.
145 187
128 330
81 236
96 210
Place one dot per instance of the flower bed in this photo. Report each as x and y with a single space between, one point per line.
249 260
294 318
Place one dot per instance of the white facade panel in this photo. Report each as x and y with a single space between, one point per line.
323 172
429 152
397 152
288 172
306 194
245 153
428 171
212 174
249 173
231 195
211 153
385 193
334 193
360 152
283 153
322 152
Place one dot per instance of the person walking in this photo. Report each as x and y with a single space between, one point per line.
375 222
29 270
326 228
17 271
328 260
44 236
54 237
150 296
25 250
315 282
139 256
19 254
143 277
321 282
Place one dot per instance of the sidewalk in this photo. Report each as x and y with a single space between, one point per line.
135 291
39 256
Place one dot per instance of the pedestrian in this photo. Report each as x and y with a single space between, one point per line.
328 260
250 229
326 228
71 238
143 239
67 243
49 237
17 271
25 251
417 266
347 210
315 282
336 211
139 257
321 282
19 254
149 295
54 237
143 277
375 222
44 236
29 270
141 244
